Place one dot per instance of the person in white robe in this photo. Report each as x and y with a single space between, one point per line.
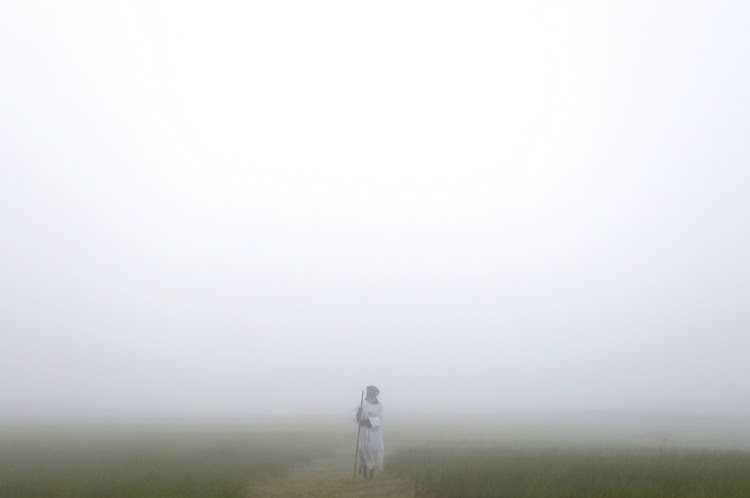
369 418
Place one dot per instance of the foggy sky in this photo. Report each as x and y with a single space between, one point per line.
223 209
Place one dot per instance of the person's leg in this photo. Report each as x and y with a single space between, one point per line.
372 471
362 463
369 464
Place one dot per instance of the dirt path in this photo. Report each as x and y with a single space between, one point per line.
329 477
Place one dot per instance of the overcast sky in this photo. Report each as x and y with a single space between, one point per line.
214 208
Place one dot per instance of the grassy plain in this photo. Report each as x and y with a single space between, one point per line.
488 470
581 455
427 455
150 459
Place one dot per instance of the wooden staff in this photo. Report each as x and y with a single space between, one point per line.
359 428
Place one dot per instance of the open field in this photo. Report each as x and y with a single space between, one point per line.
153 459
486 470
436 455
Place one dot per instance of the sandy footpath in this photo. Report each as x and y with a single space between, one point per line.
329 477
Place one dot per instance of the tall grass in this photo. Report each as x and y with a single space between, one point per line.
163 460
491 470
517 456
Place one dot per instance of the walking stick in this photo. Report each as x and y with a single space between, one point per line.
359 428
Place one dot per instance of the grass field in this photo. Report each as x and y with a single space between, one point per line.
486 470
520 455
153 459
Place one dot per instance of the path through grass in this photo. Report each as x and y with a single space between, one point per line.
332 477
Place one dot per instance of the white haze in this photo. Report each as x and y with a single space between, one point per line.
224 209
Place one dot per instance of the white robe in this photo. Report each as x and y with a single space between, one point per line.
371 438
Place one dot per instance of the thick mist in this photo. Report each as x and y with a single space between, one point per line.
226 209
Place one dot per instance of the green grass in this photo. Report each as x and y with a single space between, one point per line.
495 470
152 460
517 456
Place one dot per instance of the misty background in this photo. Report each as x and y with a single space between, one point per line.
228 209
